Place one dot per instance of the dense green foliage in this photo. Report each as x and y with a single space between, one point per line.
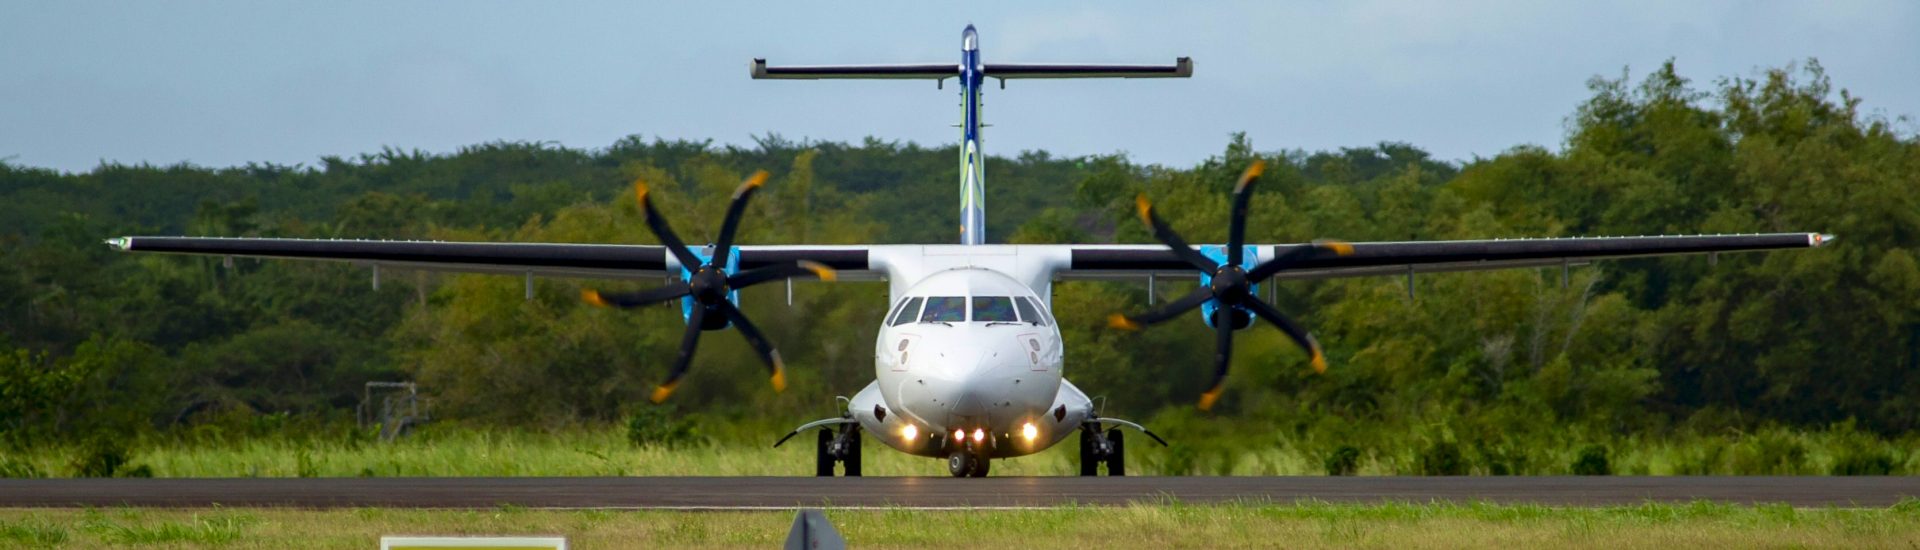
1482 366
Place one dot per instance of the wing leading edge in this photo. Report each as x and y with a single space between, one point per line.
1385 258
607 261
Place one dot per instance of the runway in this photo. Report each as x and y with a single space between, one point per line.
747 493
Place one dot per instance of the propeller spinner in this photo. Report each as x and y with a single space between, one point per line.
1229 287
709 283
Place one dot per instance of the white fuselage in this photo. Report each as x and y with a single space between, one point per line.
971 351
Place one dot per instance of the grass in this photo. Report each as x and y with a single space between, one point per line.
456 451
1309 524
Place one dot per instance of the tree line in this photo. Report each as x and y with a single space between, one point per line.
98 342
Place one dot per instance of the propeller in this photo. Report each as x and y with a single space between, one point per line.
710 283
1228 286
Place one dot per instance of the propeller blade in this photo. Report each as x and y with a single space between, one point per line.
724 246
760 344
1167 237
1162 313
1222 355
802 268
630 300
688 343
1294 255
1237 223
658 226
1294 330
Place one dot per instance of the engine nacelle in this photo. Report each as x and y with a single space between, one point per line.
1241 319
713 320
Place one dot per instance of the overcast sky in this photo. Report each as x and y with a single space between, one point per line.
224 83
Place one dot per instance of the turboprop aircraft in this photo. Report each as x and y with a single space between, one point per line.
969 365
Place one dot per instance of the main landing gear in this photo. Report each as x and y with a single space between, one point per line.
842 447
1097 448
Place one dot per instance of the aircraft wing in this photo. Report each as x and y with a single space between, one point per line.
604 261
1181 68
1126 262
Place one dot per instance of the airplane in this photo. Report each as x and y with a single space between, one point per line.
969 362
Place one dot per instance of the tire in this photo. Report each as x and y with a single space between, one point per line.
980 465
1117 463
851 464
822 460
960 463
1089 464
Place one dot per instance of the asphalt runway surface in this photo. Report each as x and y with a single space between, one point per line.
748 493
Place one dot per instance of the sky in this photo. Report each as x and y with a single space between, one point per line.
227 83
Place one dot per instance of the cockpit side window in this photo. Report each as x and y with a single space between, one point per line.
945 309
908 310
988 309
1029 311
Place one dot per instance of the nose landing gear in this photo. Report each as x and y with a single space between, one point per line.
966 463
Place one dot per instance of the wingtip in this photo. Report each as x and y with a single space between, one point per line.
1821 239
1121 322
120 243
820 270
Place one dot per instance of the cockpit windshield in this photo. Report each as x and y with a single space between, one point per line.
944 309
988 309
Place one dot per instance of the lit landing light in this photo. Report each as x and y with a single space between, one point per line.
1029 432
979 435
959 434
908 433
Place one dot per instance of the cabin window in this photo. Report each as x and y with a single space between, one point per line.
1028 312
908 310
944 309
988 309
1031 312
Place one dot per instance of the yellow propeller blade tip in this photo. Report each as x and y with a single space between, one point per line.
639 189
1342 248
758 178
592 296
1121 322
1207 399
1145 208
779 378
1319 362
661 393
1253 172
820 270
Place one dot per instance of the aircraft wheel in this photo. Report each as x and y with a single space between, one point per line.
980 465
822 458
960 463
1117 462
851 462
1089 461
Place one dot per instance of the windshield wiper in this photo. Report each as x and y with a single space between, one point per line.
1003 323
937 323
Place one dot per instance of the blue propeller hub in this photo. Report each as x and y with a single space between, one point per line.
1218 253
688 302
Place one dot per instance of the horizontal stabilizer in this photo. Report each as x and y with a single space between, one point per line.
1181 68
935 71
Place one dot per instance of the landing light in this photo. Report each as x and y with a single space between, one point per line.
979 435
959 434
909 432
1029 432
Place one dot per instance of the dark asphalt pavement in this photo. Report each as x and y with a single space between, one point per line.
788 492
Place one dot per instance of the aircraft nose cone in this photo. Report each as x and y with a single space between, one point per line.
963 389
